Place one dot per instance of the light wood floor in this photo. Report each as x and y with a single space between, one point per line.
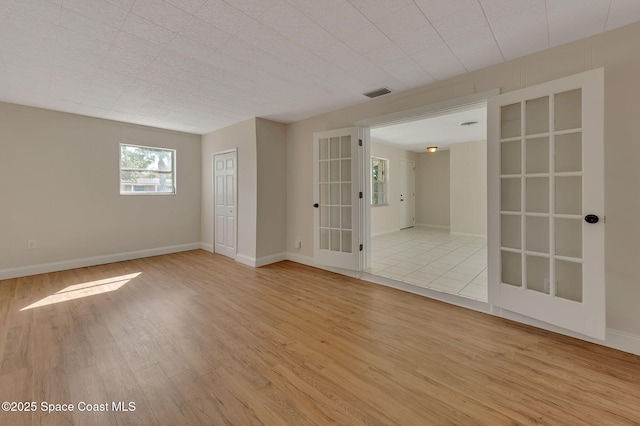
199 339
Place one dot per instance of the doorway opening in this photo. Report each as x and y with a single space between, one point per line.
431 230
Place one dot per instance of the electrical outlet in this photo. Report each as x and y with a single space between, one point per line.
298 244
31 244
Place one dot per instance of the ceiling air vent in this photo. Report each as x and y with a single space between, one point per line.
377 92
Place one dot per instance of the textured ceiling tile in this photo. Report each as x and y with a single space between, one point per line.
205 34
126 62
224 16
285 19
388 53
161 13
122 4
87 27
43 9
418 40
408 72
365 39
476 49
147 30
73 49
27 80
402 21
500 9
315 9
189 6
98 10
15 36
522 32
251 7
439 62
462 22
623 12
438 9
570 20
28 60
135 45
343 20
189 48
375 10
111 80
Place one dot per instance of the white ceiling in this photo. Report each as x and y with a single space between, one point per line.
199 65
441 131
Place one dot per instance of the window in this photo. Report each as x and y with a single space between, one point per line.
379 181
145 170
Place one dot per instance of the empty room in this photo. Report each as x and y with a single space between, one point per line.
201 221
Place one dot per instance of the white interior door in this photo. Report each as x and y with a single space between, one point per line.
546 195
225 184
337 198
407 193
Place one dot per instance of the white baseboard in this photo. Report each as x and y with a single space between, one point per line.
465 234
309 261
260 261
622 341
206 246
267 260
246 260
615 339
298 258
44 268
426 225
388 231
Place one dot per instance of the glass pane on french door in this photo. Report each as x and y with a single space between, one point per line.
335 180
541 193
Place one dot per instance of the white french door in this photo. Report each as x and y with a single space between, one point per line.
337 198
546 202
225 184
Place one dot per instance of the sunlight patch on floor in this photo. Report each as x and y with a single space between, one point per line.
78 291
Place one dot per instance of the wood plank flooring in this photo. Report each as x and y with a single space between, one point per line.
196 338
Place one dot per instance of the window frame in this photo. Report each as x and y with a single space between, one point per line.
172 173
383 179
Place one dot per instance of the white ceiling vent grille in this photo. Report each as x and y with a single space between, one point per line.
377 92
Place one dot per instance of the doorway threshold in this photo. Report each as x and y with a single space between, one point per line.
442 296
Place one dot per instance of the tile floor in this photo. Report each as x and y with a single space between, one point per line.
432 258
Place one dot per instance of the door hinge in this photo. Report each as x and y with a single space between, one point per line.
360 194
359 142
361 247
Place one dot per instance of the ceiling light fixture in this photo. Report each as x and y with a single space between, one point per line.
432 148
468 123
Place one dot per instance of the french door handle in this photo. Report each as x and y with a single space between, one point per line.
591 218
316 205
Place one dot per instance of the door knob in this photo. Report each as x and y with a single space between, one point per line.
591 218
316 205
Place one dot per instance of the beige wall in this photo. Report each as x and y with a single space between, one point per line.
59 185
617 51
468 171
432 189
272 180
241 136
261 186
388 218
